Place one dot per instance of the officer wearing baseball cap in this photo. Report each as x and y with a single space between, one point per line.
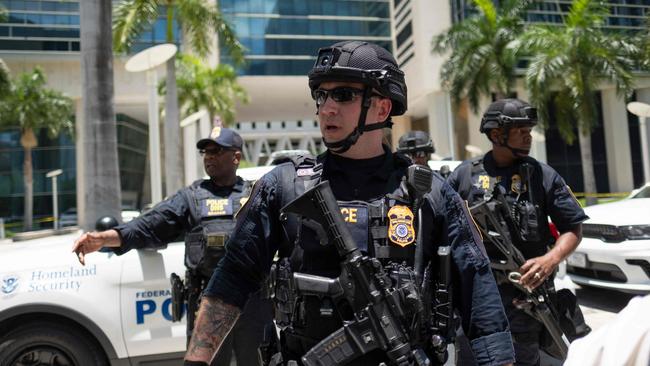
204 213
417 145
223 137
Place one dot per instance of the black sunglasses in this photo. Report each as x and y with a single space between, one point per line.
214 151
342 94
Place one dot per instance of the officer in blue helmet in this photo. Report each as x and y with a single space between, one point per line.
357 87
204 213
535 192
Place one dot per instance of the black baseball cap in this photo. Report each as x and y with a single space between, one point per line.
224 137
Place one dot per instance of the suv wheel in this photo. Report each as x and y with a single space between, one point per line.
49 344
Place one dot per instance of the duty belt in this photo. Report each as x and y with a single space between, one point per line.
216 240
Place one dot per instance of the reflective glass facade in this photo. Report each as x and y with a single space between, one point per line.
59 153
282 37
54 26
624 14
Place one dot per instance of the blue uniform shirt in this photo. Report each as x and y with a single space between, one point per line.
255 240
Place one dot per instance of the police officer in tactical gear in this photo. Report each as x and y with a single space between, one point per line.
204 212
535 192
417 145
357 87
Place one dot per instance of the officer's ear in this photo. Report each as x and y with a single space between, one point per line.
384 106
236 158
495 136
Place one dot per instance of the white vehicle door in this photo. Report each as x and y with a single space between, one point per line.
145 299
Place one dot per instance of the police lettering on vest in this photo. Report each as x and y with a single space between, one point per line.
205 244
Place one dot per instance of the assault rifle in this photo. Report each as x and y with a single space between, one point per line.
495 221
383 314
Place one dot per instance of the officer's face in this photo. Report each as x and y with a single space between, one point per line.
220 162
338 119
419 157
520 138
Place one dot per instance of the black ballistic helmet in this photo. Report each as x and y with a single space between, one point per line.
105 223
365 63
508 113
414 141
362 62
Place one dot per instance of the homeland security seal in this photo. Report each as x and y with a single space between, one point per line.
400 227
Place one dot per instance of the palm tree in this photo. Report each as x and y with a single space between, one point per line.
5 81
199 21
4 70
482 58
31 106
101 175
567 64
214 89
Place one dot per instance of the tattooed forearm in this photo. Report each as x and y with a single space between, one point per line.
214 321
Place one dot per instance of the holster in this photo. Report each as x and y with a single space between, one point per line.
285 295
178 297
194 288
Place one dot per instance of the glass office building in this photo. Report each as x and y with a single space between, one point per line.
625 16
42 28
282 37
59 153
51 26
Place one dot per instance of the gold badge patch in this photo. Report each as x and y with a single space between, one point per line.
484 181
215 132
400 227
517 185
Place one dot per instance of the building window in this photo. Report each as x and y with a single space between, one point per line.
404 34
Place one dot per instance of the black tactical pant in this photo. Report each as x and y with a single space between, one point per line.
247 334
526 330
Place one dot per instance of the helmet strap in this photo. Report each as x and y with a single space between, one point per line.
516 152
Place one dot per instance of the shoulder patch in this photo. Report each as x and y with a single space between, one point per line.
573 195
245 201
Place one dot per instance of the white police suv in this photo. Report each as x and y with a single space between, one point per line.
113 311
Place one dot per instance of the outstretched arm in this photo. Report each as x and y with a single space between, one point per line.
215 319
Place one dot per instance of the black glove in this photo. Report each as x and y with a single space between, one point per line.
195 363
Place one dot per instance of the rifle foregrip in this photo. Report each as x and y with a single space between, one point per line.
341 347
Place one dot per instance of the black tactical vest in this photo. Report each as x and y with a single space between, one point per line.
517 195
214 219
384 228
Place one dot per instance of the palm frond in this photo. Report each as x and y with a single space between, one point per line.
215 89
130 18
486 7
31 105
586 14
5 79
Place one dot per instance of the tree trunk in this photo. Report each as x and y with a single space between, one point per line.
28 142
172 134
102 194
588 176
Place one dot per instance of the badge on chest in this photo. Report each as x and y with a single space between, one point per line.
216 207
400 228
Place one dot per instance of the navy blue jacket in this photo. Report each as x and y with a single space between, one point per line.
167 220
446 221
